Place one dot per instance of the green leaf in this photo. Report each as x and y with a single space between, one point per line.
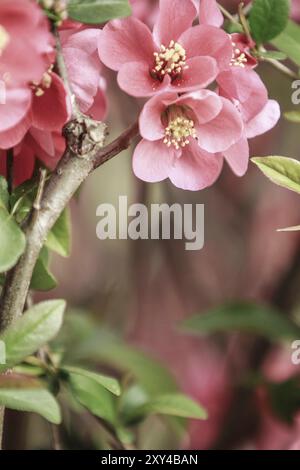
98 11
289 42
12 241
174 404
22 198
31 331
33 400
59 239
109 383
245 317
285 398
42 279
4 196
86 342
282 171
293 116
268 18
274 55
93 396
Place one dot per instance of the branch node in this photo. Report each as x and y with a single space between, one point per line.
84 135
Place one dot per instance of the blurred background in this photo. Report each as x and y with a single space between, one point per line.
135 294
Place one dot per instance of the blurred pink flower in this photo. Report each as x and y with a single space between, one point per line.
176 57
209 13
25 47
249 95
183 136
296 10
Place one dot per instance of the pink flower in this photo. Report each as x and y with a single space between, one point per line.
241 55
209 13
259 114
182 138
25 46
175 57
145 10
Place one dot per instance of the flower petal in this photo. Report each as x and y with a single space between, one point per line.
195 169
50 111
237 156
125 40
205 104
12 137
17 104
152 161
245 87
201 72
134 78
209 41
222 132
175 16
264 121
209 13
151 127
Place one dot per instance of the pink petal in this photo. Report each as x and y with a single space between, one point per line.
86 40
12 137
205 104
210 13
134 78
237 157
50 111
222 132
151 127
175 16
152 161
245 87
195 169
44 140
125 40
98 110
24 162
209 41
83 72
17 104
264 121
201 72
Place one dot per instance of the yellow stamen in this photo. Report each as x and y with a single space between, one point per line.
179 129
170 60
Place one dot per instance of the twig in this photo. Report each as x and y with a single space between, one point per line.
55 437
10 169
40 191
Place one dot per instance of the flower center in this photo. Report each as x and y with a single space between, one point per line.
179 128
170 60
45 84
4 39
239 58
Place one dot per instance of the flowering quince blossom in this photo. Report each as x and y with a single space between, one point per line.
183 137
39 134
175 57
25 47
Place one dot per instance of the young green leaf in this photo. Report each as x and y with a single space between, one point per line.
93 396
293 116
4 196
31 331
268 18
172 404
12 241
34 400
109 383
289 42
42 279
245 317
282 171
59 239
98 11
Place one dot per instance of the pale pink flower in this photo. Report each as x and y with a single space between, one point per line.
175 57
25 47
182 138
241 54
259 114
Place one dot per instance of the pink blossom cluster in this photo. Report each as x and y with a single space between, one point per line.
204 98
187 128
36 104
